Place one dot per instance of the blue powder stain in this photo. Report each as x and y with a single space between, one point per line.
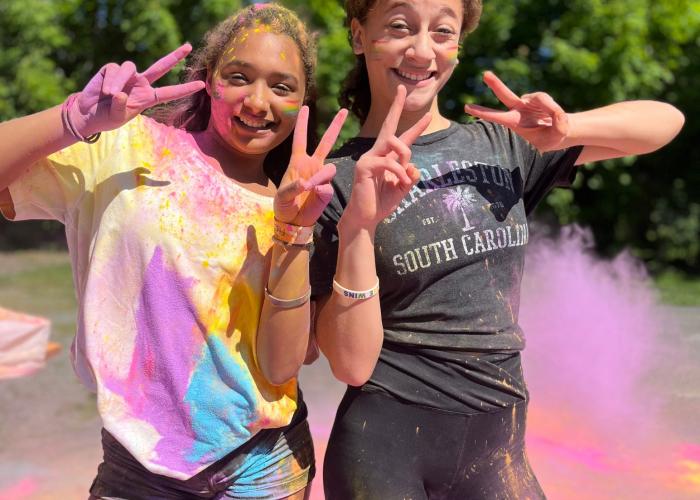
222 400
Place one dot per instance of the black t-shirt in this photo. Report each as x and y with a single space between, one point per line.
450 258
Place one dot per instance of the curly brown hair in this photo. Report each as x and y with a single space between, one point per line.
192 113
355 93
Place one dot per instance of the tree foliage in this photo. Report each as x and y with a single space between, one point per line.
586 53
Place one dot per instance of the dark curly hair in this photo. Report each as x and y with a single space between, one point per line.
192 113
355 93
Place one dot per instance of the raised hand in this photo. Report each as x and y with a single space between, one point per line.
117 93
384 174
537 118
305 189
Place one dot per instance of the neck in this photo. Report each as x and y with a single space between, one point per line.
244 169
377 116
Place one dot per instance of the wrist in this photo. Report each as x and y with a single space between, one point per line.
349 229
572 137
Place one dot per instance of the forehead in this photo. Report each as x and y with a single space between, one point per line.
425 9
260 47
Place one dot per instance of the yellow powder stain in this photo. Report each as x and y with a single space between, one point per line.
692 476
283 56
166 152
205 263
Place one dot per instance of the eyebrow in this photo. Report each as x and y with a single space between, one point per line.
445 11
246 65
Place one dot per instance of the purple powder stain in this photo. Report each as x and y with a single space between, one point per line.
163 359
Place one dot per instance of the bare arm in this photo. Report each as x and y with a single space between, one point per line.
115 95
305 190
350 331
29 139
621 129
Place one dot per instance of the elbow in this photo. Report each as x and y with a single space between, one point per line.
279 376
279 373
352 375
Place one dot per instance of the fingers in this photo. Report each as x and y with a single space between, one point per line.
399 150
380 166
394 115
545 101
504 94
172 92
323 176
288 192
331 135
300 131
109 72
413 133
165 64
324 193
115 81
506 118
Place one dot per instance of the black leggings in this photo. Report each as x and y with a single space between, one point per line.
383 449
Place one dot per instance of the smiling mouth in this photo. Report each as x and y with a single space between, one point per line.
414 77
254 125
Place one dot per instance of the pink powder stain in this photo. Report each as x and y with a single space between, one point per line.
594 331
24 488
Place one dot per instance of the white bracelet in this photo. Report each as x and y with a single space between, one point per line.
288 303
356 294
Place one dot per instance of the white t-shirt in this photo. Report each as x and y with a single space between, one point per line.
170 258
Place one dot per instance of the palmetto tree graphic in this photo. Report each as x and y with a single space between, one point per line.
460 199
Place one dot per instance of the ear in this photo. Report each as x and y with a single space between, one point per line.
207 83
356 32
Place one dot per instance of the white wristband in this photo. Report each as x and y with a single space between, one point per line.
287 303
356 294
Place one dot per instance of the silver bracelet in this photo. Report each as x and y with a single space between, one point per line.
356 294
288 303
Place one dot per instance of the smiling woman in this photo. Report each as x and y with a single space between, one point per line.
189 241
434 215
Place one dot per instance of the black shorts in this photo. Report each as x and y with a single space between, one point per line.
380 448
274 464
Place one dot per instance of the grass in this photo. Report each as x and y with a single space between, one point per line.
40 283
678 289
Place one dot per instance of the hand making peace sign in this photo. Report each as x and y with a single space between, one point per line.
117 93
305 189
384 174
537 118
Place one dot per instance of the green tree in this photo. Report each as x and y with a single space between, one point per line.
588 53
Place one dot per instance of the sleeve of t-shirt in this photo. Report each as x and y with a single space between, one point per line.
544 171
53 187
325 250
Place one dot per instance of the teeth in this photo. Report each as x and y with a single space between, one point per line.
414 76
253 123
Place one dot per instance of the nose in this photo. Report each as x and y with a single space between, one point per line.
256 102
421 50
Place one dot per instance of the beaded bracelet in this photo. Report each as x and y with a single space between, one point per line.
356 294
68 124
293 235
288 303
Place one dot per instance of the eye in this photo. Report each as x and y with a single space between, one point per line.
398 26
237 78
282 89
445 33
